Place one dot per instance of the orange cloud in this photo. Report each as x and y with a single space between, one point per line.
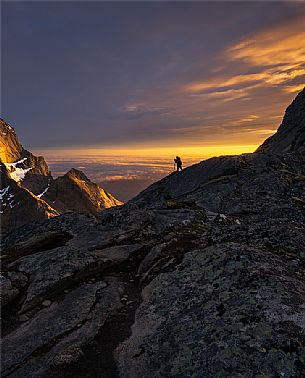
294 88
281 45
249 118
278 55
272 76
222 82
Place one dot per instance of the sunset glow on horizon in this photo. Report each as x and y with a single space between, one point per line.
194 151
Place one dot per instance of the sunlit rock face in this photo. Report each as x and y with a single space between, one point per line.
10 147
74 192
30 171
37 196
290 136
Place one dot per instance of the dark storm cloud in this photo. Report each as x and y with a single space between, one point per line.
87 73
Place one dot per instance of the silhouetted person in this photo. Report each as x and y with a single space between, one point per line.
178 163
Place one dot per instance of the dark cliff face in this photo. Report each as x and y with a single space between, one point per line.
290 136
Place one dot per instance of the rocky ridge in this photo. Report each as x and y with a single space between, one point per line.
29 193
20 206
30 171
290 136
202 274
75 192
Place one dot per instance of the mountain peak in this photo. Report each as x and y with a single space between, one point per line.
78 193
29 171
75 173
4 126
290 136
10 147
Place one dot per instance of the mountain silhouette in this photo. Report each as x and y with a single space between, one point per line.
290 136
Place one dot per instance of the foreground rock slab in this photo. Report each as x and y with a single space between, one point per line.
221 305
40 343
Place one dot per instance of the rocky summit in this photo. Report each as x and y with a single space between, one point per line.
29 193
290 136
75 192
201 275
30 171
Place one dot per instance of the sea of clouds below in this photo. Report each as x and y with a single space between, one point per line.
123 176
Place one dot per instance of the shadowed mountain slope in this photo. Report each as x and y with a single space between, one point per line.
19 206
290 136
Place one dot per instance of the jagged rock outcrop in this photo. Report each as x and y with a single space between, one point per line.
37 196
290 136
18 206
11 149
30 171
202 274
74 192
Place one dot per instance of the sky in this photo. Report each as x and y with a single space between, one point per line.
206 77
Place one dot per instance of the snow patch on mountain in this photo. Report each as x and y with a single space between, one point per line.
19 174
3 192
6 199
15 172
44 192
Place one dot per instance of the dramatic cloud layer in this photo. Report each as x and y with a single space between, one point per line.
150 74
276 58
